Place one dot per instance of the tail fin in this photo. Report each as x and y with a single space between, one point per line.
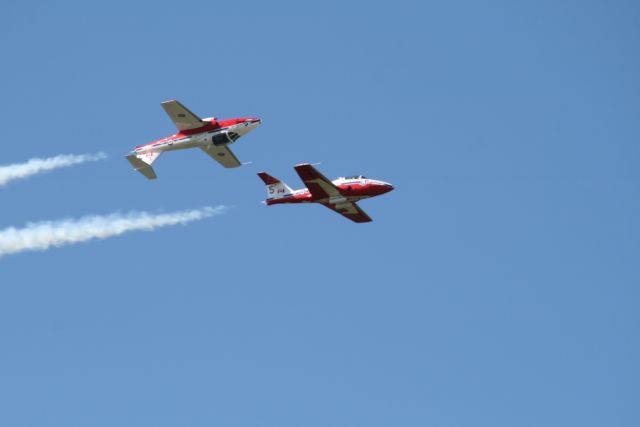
276 189
142 163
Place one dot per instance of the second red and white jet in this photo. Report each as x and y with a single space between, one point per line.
339 195
211 135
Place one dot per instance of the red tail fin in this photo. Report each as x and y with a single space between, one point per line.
276 189
268 179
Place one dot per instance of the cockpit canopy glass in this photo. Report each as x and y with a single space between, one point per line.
356 177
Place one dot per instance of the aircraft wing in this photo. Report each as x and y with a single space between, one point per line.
317 184
181 116
350 210
223 155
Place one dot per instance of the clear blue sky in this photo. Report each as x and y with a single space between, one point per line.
497 286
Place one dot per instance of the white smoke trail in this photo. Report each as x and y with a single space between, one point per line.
40 236
37 165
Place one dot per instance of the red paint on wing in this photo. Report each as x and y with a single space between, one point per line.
307 172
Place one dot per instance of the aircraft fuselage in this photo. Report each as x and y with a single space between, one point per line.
351 190
217 133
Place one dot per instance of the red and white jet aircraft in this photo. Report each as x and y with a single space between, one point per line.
339 195
211 135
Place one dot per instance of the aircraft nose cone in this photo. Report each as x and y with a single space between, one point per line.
388 188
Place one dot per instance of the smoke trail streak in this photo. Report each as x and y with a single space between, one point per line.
36 165
40 236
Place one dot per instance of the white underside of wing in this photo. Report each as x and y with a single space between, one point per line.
222 155
183 118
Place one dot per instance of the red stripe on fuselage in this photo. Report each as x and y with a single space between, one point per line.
217 125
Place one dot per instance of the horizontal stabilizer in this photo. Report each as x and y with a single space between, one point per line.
141 166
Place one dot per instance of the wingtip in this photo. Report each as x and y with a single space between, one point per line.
308 164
